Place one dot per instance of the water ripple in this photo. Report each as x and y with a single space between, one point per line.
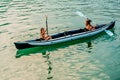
4 24
90 59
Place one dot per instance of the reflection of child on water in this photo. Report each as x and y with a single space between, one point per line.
88 25
44 34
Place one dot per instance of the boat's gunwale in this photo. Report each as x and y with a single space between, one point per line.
72 35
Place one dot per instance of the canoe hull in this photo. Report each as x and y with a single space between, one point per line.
60 37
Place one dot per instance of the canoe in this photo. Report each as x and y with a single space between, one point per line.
65 36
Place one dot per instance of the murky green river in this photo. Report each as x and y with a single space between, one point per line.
96 58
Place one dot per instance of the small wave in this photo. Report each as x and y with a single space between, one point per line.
1 6
4 24
3 11
3 31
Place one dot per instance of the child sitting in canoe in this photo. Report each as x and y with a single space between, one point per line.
88 25
44 34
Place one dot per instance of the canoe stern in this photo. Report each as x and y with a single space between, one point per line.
22 45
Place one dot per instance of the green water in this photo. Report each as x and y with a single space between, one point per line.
96 58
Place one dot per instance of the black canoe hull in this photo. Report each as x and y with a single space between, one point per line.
21 45
80 33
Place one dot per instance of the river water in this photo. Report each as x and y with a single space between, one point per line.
97 58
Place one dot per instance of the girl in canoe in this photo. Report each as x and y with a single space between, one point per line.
88 25
44 34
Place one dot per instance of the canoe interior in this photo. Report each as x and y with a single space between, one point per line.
66 33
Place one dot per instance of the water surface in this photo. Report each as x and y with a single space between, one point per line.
91 59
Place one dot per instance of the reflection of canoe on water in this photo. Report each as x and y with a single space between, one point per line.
65 36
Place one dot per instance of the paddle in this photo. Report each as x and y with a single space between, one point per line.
82 15
46 24
109 32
